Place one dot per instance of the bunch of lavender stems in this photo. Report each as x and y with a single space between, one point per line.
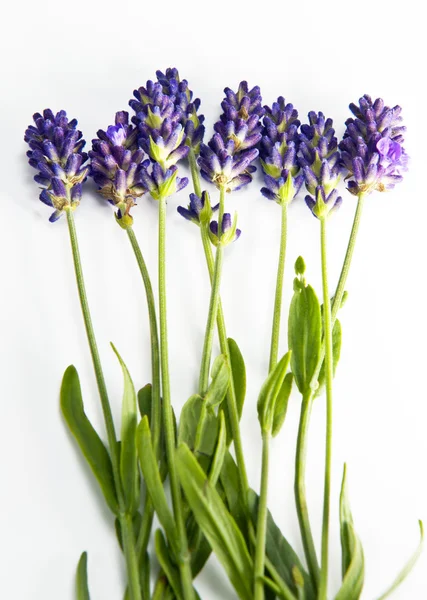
130 160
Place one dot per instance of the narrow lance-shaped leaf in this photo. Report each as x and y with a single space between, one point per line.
220 381
216 523
166 564
150 470
145 398
408 567
281 405
128 454
87 438
189 421
270 392
82 587
304 333
238 379
220 450
336 353
353 561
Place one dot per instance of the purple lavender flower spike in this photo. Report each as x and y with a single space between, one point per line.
229 231
199 210
278 151
372 149
117 165
320 162
184 103
227 159
161 133
56 152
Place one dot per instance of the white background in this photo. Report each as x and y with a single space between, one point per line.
87 57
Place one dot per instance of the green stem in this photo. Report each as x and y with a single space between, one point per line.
194 172
328 380
126 524
212 315
275 335
208 343
261 531
184 558
339 293
147 519
300 491
231 394
221 209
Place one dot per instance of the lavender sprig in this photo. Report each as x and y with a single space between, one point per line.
278 151
118 166
182 97
320 161
372 149
56 152
227 159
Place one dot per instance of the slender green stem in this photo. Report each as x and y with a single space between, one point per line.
184 559
147 518
208 343
125 521
194 172
212 315
154 338
231 394
221 209
275 335
339 292
300 491
327 316
261 531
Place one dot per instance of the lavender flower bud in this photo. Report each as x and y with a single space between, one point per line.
182 96
229 231
117 166
372 150
320 161
279 152
199 210
56 152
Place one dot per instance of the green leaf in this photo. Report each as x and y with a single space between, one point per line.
220 450
166 564
336 352
87 438
145 398
269 393
304 334
128 454
219 384
353 562
281 406
150 470
190 417
230 481
238 375
238 371
216 523
408 567
282 559
82 588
